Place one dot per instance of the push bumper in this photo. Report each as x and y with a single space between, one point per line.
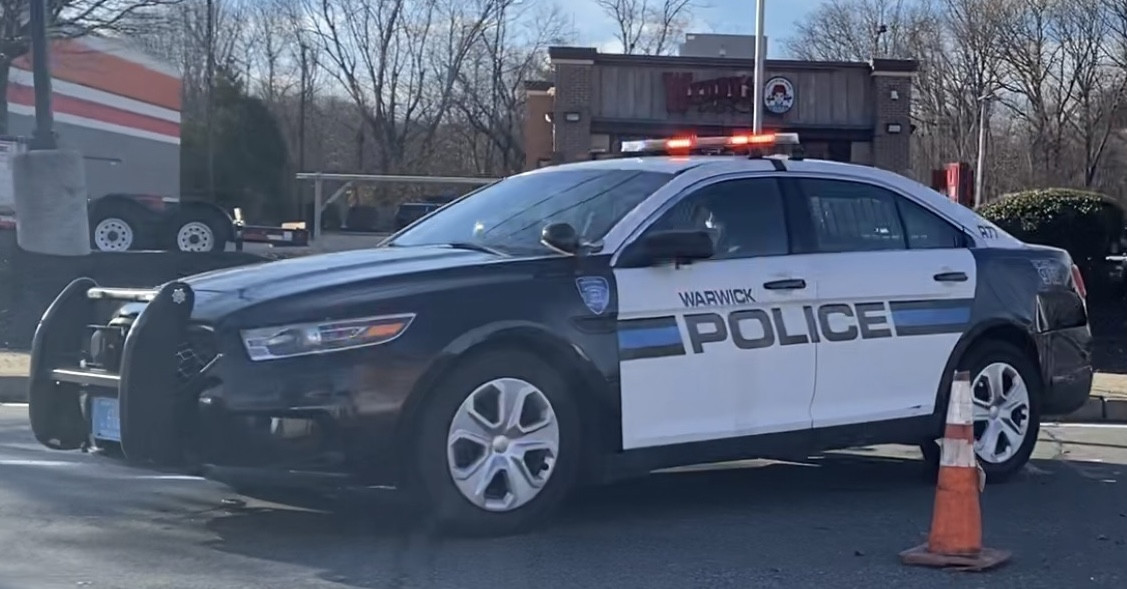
171 411
65 379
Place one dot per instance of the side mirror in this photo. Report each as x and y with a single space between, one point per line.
677 246
561 238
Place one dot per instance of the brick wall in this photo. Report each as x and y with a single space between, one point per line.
537 131
573 79
893 94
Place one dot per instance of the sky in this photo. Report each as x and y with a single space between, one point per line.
716 16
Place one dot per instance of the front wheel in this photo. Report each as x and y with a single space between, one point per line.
499 444
1006 391
114 233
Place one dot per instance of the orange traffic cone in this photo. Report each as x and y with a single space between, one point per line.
956 524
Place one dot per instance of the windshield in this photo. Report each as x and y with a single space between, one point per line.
509 215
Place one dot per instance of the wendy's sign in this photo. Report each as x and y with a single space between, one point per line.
726 94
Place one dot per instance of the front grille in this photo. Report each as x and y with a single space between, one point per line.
193 354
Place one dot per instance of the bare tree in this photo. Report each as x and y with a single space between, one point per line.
959 66
1035 79
180 36
649 27
399 60
858 30
490 98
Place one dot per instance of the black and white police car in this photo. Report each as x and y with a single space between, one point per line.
582 323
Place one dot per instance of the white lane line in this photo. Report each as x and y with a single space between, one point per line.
163 477
1088 425
24 405
96 470
18 462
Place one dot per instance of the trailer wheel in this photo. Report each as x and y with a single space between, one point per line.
203 233
115 231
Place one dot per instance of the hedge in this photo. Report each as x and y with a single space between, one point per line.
1082 222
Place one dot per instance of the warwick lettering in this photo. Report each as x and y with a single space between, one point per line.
716 298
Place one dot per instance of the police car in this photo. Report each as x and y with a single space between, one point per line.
582 323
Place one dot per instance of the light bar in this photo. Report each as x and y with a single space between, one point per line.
681 144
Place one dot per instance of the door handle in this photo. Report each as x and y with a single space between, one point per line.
788 284
951 277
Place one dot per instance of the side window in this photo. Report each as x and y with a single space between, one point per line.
851 216
926 230
745 217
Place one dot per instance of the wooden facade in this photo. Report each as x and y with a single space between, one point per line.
823 96
844 111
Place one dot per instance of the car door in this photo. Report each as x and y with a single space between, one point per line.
718 348
896 284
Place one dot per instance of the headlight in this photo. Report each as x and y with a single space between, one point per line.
300 339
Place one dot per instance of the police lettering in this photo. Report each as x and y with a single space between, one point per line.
716 298
751 329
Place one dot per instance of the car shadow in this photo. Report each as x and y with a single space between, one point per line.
397 545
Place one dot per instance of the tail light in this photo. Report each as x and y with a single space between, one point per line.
1078 282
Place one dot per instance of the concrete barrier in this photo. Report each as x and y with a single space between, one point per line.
29 282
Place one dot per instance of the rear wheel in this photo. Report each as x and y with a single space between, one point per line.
1006 389
206 233
499 445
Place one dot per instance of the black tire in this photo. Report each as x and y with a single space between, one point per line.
446 509
974 361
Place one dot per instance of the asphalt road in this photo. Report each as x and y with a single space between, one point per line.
73 520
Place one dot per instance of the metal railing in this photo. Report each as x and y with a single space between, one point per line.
318 178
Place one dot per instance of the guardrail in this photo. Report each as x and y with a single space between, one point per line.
319 178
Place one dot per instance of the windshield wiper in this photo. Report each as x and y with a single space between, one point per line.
477 247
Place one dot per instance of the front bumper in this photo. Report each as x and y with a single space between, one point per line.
186 403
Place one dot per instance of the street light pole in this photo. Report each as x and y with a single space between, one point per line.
760 58
980 165
44 134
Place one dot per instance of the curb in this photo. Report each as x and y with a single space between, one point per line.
13 389
1098 409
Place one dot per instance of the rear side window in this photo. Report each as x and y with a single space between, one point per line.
926 230
854 216
851 216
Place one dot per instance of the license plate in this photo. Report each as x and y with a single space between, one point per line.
105 419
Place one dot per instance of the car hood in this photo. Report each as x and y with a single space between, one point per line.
281 278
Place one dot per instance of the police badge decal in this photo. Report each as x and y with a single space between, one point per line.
595 292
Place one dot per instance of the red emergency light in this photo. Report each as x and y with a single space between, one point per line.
686 144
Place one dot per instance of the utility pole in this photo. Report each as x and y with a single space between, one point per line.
301 108
980 166
209 118
760 59
301 126
49 184
44 136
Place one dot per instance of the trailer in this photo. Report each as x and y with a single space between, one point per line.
120 108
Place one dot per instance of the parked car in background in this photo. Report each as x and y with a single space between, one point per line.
409 212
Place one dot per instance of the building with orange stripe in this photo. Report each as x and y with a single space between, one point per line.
117 106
